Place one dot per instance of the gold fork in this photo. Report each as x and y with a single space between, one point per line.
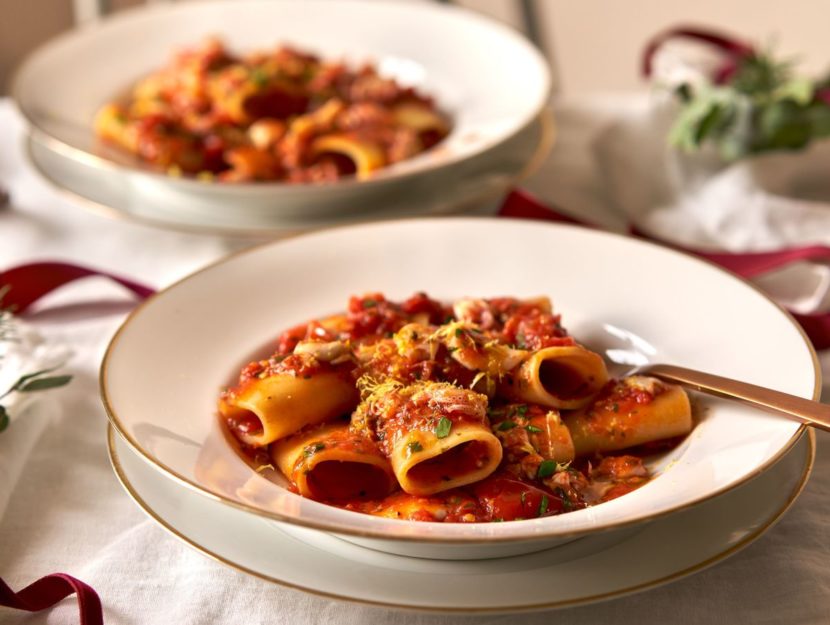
796 408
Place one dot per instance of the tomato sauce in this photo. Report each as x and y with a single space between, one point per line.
427 382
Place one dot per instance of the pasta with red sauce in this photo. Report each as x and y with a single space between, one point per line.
279 115
482 411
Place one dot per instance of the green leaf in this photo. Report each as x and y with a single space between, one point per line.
4 418
763 107
708 123
21 382
782 125
444 427
705 117
760 74
506 425
819 115
259 77
42 384
799 90
546 469
414 447
543 505
684 93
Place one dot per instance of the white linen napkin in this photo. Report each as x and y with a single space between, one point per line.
762 203
29 413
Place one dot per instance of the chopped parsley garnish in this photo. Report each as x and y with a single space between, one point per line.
310 450
459 332
259 77
615 407
546 469
521 410
567 504
533 429
443 428
369 303
414 447
543 505
506 425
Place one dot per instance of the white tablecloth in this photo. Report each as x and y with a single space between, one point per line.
69 514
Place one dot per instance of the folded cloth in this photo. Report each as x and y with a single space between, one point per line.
761 203
765 202
22 352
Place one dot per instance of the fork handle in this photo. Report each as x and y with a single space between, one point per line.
797 408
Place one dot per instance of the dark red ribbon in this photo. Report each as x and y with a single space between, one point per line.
523 205
28 283
24 285
49 590
734 50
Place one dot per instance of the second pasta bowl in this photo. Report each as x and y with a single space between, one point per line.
172 386
492 115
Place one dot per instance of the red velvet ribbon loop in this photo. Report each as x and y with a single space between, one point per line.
28 283
734 49
49 590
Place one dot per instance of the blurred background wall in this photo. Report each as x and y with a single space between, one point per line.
594 45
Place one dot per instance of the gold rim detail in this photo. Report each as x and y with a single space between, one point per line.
102 163
547 137
115 421
798 488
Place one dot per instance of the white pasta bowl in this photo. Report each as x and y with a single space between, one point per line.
631 301
491 82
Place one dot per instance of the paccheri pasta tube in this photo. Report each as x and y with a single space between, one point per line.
564 377
628 413
531 434
281 399
484 410
436 435
332 462
273 115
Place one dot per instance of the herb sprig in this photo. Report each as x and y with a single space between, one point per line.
30 382
764 106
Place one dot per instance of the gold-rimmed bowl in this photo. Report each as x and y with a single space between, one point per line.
631 300
492 83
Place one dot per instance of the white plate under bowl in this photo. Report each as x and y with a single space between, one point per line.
490 80
474 185
588 570
634 301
